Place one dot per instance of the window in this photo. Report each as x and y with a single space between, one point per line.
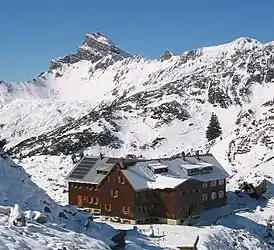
121 179
152 206
213 183
145 209
90 187
139 209
114 193
221 194
204 197
126 210
221 182
205 185
213 195
94 200
108 207
138 195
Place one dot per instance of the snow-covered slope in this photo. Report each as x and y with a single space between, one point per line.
63 226
105 100
143 106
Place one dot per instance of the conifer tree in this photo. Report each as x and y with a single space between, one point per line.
214 129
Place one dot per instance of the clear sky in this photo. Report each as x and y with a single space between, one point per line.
34 31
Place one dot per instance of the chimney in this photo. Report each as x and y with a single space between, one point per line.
122 162
197 154
183 155
101 156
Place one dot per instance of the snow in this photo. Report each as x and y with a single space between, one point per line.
156 165
101 38
15 213
19 196
162 182
32 108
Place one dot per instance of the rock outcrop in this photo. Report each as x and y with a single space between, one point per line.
167 55
94 47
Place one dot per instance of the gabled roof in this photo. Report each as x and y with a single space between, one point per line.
141 173
142 177
86 169
89 169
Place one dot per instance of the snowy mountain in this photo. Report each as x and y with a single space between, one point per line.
140 106
102 99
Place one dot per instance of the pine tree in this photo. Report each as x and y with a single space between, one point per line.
214 129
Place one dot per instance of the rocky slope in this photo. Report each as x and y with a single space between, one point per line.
145 106
94 47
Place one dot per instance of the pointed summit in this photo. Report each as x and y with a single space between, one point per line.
94 47
167 55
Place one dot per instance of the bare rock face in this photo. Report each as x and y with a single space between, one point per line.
167 55
94 47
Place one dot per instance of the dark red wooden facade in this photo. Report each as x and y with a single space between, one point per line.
115 197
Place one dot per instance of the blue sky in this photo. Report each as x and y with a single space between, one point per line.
34 31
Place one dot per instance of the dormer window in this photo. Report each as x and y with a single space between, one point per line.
199 168
158 168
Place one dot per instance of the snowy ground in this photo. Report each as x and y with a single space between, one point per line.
49 173
221 227
45 237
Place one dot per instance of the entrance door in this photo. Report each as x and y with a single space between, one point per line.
80 200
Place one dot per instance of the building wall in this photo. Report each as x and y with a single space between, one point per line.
172 204
104 193
189 198
218 201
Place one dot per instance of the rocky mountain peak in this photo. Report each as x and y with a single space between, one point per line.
95 46
167 55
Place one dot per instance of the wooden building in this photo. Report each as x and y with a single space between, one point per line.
137 191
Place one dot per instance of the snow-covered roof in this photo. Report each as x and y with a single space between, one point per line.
142 177
162 182
156 165
142 174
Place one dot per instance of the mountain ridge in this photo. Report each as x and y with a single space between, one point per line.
220 76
